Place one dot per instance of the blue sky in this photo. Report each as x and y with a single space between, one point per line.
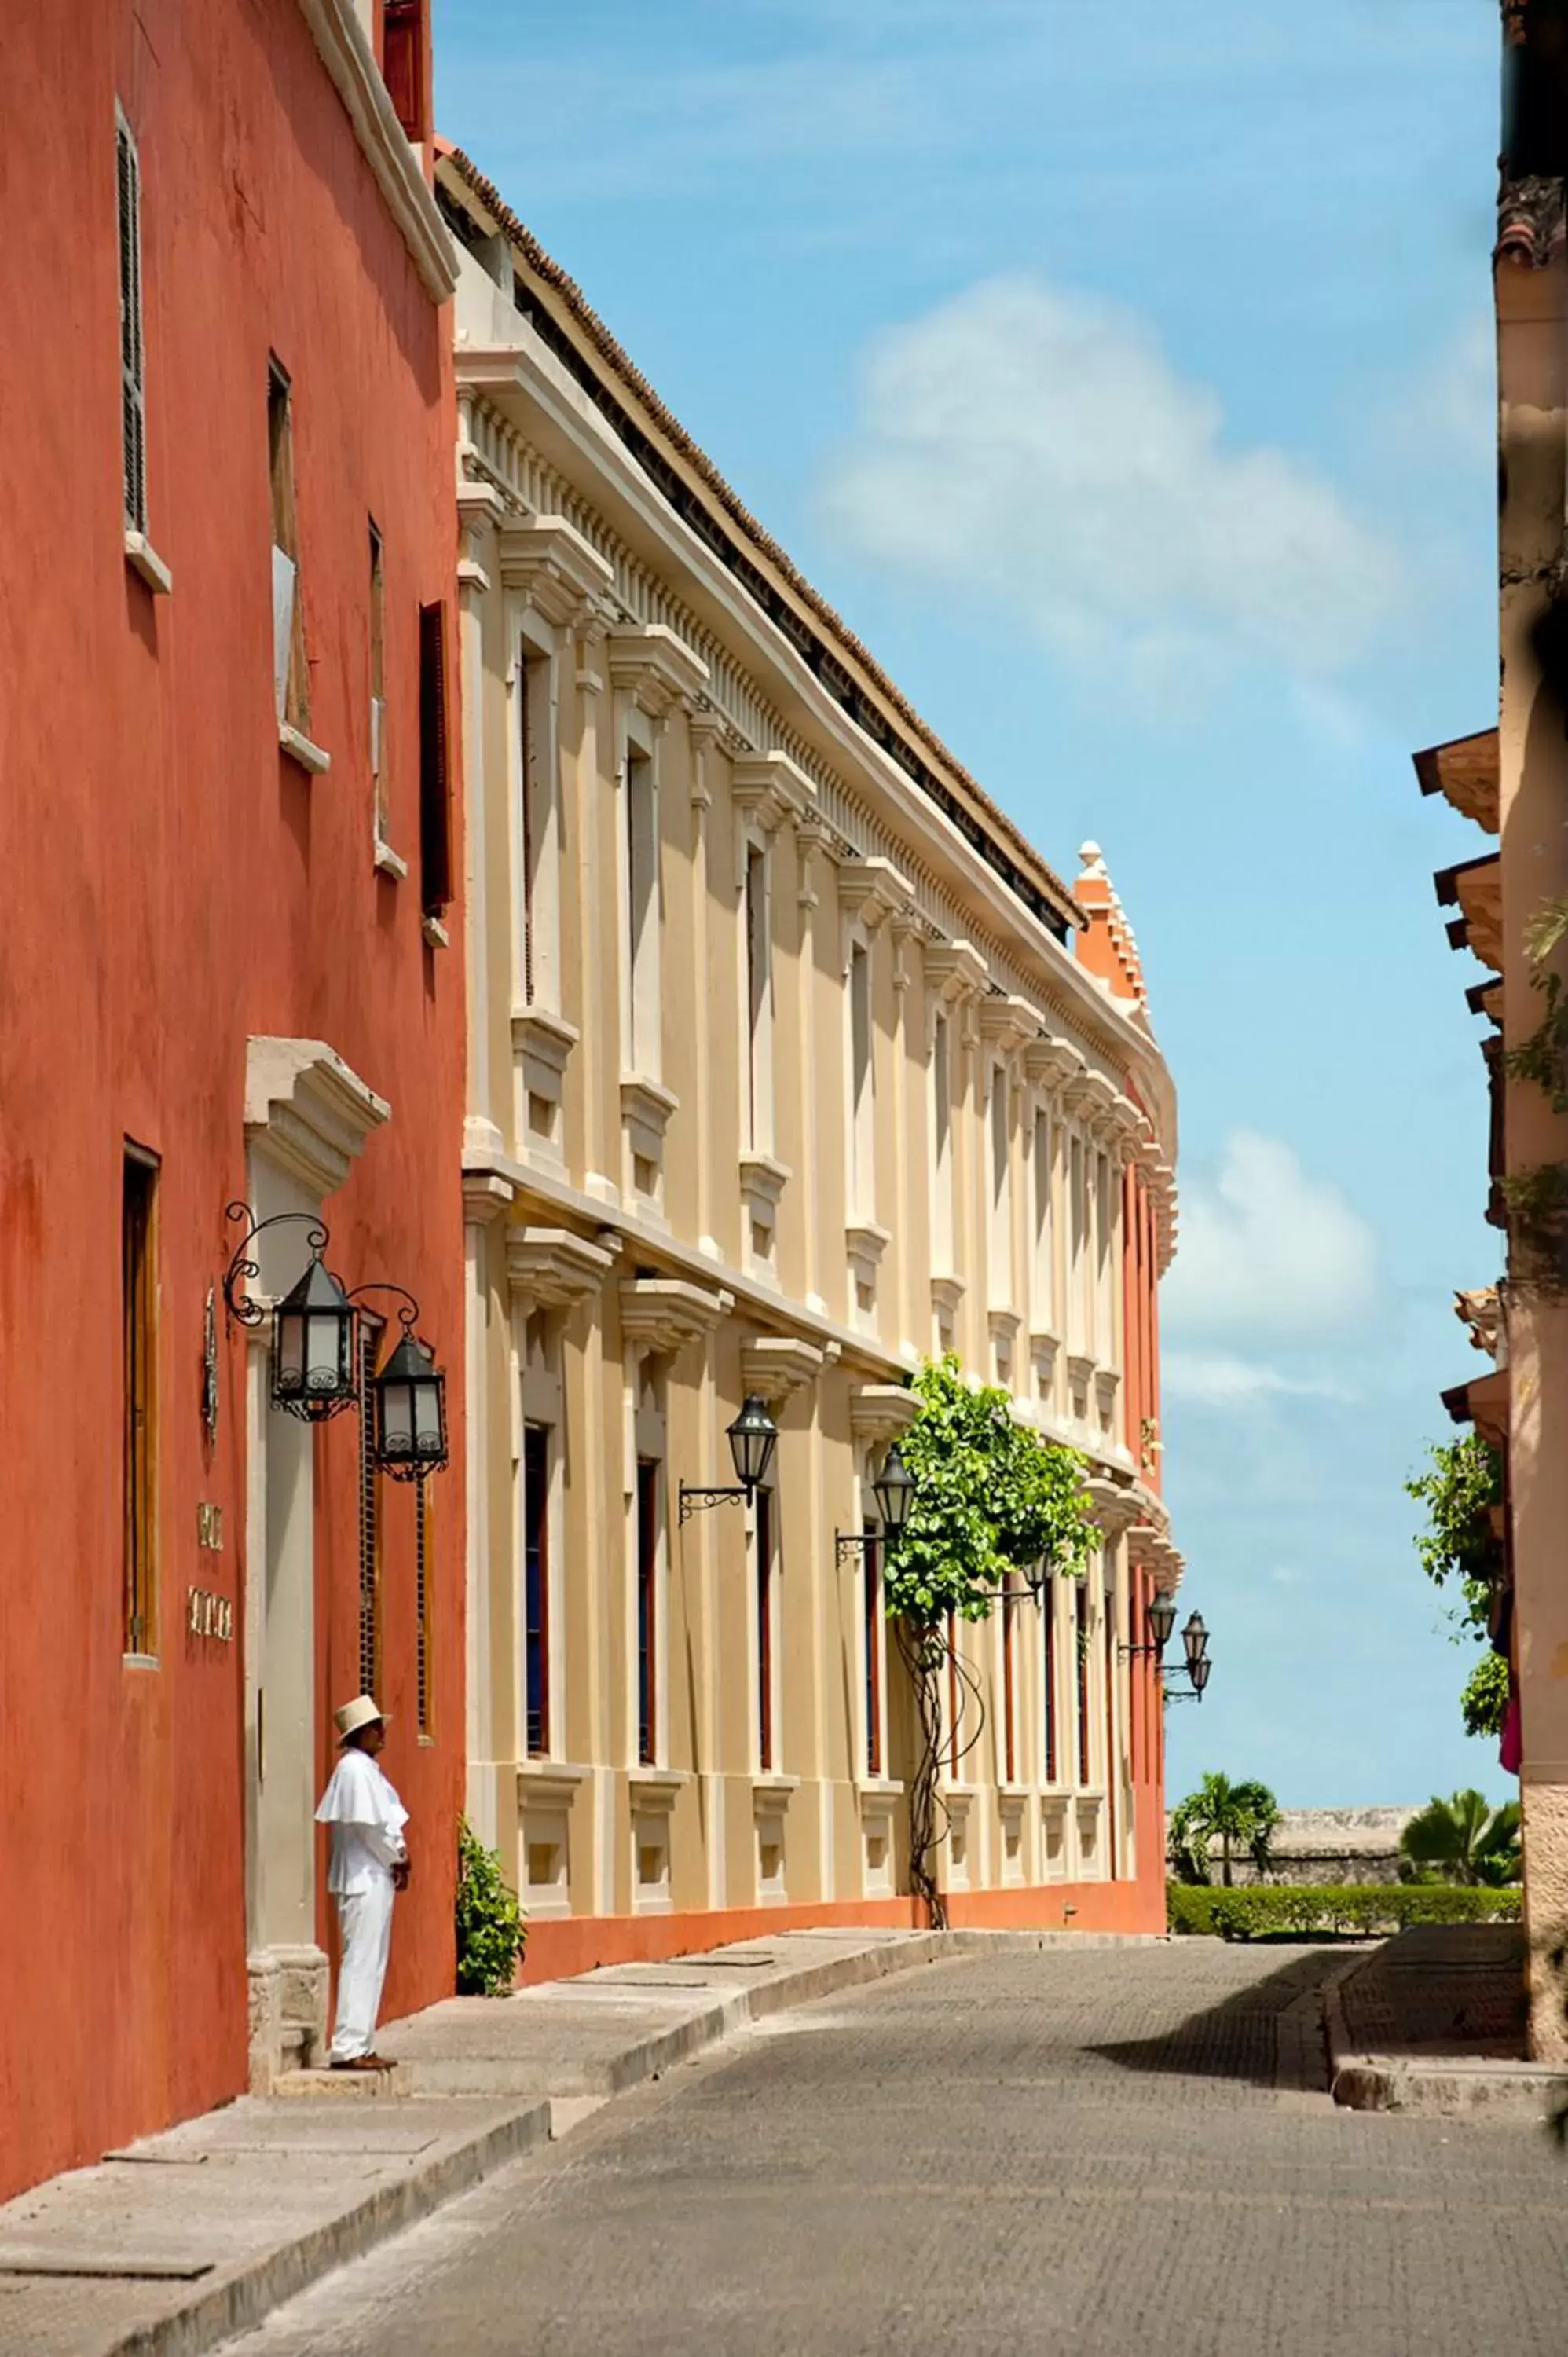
1124 376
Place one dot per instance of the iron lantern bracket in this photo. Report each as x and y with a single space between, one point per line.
694 1501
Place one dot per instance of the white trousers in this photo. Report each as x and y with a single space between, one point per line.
364 1918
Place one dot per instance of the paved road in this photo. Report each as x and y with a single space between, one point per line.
1105 2153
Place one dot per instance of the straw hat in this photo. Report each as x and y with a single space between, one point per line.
363 1711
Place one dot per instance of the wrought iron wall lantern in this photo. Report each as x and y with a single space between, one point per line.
1159 1620
314 1353
1195 1645
315 1374
408 1399
894 1490
753 1437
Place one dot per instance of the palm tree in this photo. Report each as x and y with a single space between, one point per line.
1239 1816
1464 1840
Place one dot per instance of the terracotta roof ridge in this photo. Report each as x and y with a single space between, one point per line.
622 366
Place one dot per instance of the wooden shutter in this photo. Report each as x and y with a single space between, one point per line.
435 791
132 400
403 65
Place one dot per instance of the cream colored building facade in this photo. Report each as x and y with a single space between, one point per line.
783 1073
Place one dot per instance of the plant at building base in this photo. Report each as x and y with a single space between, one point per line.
992 1500
1240 1816
1463 1841
1463 1494
490 1929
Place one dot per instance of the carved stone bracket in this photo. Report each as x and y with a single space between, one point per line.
656 669
554 1268
554 569
881 1411
660 1314
774 1366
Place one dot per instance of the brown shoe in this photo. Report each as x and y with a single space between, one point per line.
359 2062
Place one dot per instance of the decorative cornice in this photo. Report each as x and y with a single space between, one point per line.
881 1411
770 787
955 970
871 889
655 668
486 1196
1115 1509
556 570
774 1366
345 52
553 1267
1051 1064
947 1292
663 1313
306 1111
1007 1022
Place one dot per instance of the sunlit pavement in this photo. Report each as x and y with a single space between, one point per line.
1116 2151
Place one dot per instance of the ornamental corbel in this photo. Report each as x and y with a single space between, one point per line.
547 563
555 1269
813 837
1006 1021
706 729
766 789
654 670
660 1315
774 1366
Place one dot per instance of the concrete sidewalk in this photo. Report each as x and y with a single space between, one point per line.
1433 2021
169 2247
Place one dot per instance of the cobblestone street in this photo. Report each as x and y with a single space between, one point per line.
1110 2152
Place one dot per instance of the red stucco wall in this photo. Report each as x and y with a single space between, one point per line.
170 884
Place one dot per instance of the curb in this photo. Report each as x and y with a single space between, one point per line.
1441 2088
238 2301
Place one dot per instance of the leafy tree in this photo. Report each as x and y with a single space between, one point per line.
1238 1817
1460 1545
992 1499
1463 1840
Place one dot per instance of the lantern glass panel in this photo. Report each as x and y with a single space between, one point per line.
429 1420
1198 1673
397 1418
1195 1639
1161 1617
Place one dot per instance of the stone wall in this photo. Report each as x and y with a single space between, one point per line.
1328 1846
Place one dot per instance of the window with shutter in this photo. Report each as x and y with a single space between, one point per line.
291 675
435 801
405 65
132 398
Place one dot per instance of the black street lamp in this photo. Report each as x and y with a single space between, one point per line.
894 1490
753 1437
1159 1620
313 1356
408 1408
314 1374
1195 1645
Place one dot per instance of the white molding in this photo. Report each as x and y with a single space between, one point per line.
144 559
655 668
307 1111
881 1411
345 52
300 748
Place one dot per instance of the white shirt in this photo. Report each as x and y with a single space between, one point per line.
367 1820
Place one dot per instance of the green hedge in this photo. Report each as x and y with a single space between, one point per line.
1370 1909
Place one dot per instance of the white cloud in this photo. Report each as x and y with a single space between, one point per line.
1208 1380
1267 1250
1033 446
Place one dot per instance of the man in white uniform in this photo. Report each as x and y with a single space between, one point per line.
369 1862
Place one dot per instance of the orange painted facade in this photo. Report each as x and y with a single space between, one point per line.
173 885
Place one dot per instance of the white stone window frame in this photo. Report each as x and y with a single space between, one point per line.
765 790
